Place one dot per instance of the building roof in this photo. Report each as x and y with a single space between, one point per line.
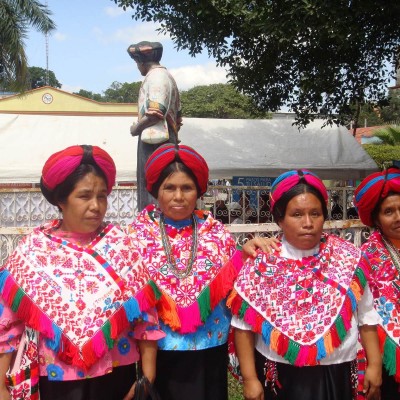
261 148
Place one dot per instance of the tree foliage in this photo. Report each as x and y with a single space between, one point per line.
16 16
318 57
89 95
39 77
218 101
122 92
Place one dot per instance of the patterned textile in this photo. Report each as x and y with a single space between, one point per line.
384 281
302 308
186 303
80 299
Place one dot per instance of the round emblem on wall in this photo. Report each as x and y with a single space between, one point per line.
47 98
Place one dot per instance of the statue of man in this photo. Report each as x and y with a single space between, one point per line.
158 99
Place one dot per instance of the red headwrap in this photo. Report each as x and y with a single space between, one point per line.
63 163
169 153
374 188
289 179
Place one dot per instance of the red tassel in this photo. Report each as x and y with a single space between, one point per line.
118 322
283 344
259 322
382 338
335 337
222 284
312 355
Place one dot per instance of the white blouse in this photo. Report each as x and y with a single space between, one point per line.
365 315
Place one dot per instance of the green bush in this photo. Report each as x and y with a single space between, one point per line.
383 154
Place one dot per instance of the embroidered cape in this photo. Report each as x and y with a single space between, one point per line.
384 282
302 308
186 303
79 298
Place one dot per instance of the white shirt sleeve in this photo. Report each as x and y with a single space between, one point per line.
240 324
366 313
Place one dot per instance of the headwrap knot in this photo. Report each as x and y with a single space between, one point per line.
290 179
374 188
169 153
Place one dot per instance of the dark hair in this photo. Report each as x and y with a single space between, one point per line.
279 209
175 166
64 189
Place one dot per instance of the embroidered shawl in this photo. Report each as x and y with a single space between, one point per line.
302 308
384 281
79 298
186 303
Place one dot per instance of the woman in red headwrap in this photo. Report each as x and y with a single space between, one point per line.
377 199
193 261
78 291
303 306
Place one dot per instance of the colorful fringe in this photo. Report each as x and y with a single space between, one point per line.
27 311
391 353
30 375
187 319
294 352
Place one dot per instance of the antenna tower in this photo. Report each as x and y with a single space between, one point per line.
47 54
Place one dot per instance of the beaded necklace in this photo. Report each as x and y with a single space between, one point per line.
178 272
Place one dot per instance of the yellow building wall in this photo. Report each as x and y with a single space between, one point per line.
49 100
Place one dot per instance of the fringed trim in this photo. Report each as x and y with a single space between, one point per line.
391 353
27 311
295 353
187 319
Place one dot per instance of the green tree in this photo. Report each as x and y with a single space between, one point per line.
16 16
122 92
318 57
218 101
37 77
90 95
389 135
391 112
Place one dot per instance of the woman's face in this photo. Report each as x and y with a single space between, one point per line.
388 218
303 221
177 196
86 205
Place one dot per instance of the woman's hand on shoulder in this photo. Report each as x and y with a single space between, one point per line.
253 389
267 245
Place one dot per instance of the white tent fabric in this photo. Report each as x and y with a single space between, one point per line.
231 147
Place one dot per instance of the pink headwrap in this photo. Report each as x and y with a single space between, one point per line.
63 163
289 179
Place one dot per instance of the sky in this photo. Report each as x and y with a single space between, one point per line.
88 48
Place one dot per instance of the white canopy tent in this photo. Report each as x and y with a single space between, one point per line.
231 147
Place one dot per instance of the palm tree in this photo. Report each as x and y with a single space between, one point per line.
389 135
16 16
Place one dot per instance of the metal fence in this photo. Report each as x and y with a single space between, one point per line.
244 209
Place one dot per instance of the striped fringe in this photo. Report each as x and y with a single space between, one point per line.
187 319
391 353
95 347
295 353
